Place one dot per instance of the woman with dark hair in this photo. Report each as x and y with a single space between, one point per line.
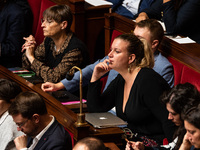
179 16
191 139
179 98
135 91
61 49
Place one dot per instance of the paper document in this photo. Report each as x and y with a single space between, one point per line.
98 2
163 25
181 40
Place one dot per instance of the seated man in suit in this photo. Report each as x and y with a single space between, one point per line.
42 130
152 31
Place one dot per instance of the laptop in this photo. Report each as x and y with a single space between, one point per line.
104 120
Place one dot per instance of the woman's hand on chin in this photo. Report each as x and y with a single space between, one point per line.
100 69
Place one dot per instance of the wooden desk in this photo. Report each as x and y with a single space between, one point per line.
94 30
188 54
64 115
112 146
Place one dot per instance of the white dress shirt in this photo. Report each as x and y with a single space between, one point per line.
131 5
38 137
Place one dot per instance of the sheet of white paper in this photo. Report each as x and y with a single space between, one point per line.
98 2
180 40
163 25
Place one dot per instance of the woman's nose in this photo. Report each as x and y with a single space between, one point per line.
110 54
42 25
170 117
187 136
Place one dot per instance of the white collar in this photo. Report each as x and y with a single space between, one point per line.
3 117
38 137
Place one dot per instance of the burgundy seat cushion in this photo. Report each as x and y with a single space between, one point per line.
37 7
178 67
191 76
114 35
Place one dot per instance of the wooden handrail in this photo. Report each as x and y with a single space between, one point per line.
64 116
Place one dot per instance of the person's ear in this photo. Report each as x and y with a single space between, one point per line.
154 44
131 58
36 118
64 25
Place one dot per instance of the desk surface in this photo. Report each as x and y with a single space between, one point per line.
112 146
63 114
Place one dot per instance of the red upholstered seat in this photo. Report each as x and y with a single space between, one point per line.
183 74
178 67
103 82
72 136
191 76
114 35
37 7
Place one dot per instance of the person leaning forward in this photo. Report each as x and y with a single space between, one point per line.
42 130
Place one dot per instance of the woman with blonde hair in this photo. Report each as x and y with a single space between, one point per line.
134 92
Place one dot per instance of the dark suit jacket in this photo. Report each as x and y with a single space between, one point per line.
13 27
55 138
185 21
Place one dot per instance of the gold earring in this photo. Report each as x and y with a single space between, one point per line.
129 69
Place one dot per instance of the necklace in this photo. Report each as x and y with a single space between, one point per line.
55 49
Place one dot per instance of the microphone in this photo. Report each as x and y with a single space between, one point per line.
70 74
81 116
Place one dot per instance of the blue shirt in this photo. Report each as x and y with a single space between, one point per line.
162 66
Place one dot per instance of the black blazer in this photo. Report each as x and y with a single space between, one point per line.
55 138
14 25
